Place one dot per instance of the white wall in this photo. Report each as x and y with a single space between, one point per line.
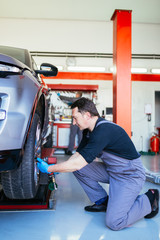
78 36
143 93
145 38
63 36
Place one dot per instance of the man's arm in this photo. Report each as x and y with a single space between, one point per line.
74 163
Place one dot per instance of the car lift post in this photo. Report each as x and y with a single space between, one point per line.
45 197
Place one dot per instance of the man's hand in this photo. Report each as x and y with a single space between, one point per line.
42 165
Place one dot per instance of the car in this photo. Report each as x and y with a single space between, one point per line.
24 121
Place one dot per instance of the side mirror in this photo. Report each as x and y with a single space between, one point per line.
48 70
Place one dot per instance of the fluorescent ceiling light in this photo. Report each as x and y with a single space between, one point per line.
138 70
133 70
155 70
86 69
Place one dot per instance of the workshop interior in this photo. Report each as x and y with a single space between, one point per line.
50 51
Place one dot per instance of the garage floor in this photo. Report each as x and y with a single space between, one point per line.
70 222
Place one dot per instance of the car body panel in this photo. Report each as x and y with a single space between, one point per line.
20 92
21 95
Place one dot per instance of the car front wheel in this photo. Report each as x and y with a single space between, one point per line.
23 182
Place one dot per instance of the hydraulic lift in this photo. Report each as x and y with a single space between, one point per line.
45 197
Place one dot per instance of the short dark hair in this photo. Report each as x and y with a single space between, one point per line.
85 105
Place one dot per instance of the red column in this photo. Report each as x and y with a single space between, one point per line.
122 69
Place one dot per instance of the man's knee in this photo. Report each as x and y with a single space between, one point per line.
78 174
114 224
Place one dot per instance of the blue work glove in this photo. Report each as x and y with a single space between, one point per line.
43 166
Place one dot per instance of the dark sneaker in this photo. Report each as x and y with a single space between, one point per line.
68 152
97 208
155 204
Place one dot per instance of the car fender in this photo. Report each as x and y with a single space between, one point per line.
20 91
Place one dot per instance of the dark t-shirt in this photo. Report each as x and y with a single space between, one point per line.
108 137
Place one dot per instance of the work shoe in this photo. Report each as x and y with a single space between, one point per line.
68 152
97 208
154 202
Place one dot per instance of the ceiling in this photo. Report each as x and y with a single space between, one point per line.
143 11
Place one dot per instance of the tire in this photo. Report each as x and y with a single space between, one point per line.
23 182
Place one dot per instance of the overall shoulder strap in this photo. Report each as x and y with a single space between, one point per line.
104 121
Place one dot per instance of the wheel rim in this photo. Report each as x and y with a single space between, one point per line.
37 152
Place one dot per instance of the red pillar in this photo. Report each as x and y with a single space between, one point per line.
122 69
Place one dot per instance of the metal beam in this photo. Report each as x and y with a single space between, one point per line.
122 69
90 55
